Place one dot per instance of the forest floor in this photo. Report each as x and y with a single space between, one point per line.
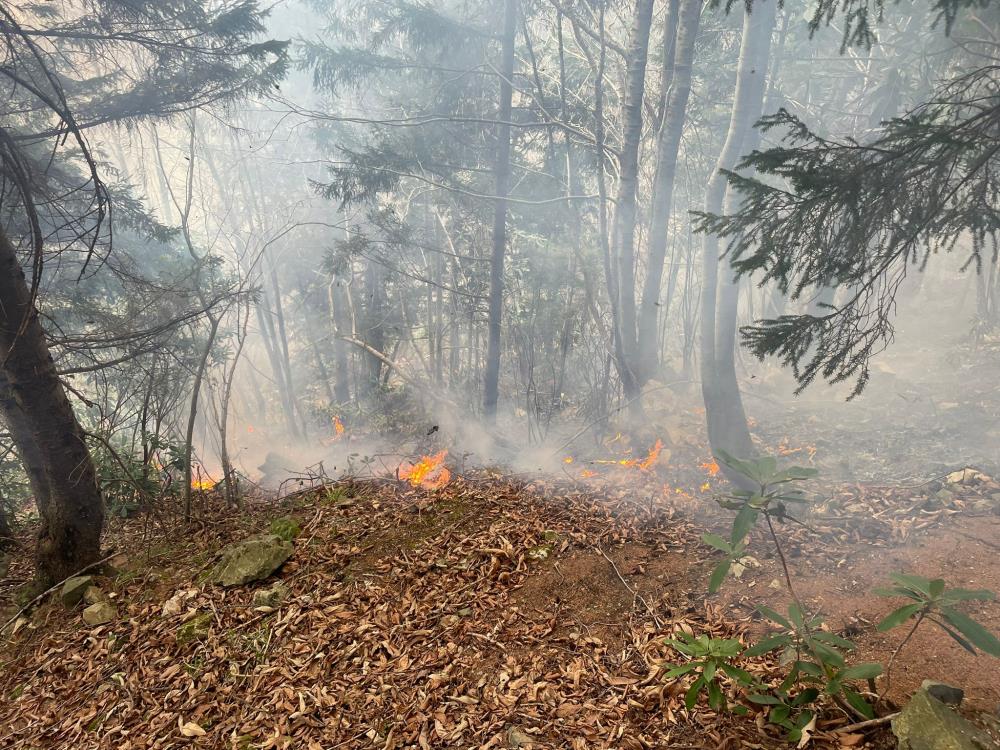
488 613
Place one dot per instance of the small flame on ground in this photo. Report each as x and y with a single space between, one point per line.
429 472
705 487
568 460
711 467
338 427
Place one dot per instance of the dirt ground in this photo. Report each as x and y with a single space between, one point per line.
488 614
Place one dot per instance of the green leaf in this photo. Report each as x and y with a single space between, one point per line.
796 615
962 595
769 644
718 542
764 700
980 637
827 655
740 675
916 583
718 576
834 640
743 522
806 696
897 591
898 617
716 700
859 703
866 671
691 697
708 672
936 588
773 616
675 672
955 636
779 714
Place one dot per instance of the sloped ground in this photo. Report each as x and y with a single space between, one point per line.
487 614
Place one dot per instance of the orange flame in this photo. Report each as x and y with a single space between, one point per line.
428 473
654 455
568 460
587 473
202 484
338 427
711 467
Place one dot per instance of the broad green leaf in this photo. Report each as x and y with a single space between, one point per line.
675 672
708 672
718 542
806 696
743 522
833 640
779 714
768 644
897 591
764 700
718 576
866 671
859 703
899 616
979 636
691 697
716 700
827 655
773 616
936 587
962 595
918 584
740 675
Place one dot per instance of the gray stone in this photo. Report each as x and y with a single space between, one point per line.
93 595
74 589
951 696
99 613
927 724
272 596
252 559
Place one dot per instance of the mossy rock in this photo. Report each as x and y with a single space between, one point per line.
286 527
252 559
195 629
927 724
73 590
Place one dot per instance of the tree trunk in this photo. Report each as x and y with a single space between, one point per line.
491 383
45 430
625 208
667 146
726 419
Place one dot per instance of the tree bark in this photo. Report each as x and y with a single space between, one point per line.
625 208
725 416
491 383
667 147
48 436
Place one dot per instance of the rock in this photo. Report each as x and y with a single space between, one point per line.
253 559
99 613
74 589
94 594
286 527
194 629
950 696
927 724
272 596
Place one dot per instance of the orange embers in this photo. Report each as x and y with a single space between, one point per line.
429 473
338 428
654 454
711 467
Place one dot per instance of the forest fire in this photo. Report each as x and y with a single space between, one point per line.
338 428
430 473
202 484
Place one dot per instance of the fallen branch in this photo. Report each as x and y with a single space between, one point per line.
868 723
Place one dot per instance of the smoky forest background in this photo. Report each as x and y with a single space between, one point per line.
524 373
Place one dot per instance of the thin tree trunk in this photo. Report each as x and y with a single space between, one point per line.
625 204
668 145
491 381
725 416
47 435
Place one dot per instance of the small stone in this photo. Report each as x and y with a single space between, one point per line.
286 527
517 738
272 596
94 594
99 613
74 589
951 696
194 629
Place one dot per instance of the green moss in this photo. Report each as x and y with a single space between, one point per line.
194 629
286 527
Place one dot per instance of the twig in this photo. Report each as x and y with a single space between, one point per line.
48 591
868 723
634 593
